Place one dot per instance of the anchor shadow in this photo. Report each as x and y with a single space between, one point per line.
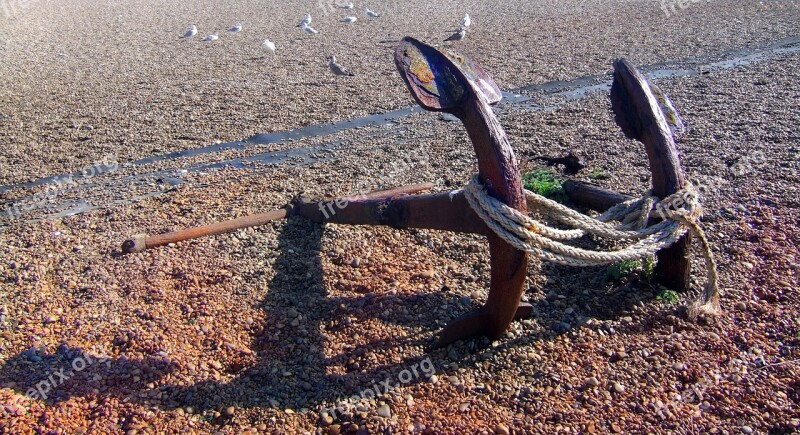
291 364
289 367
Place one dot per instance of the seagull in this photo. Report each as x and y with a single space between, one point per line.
236 28
371 13
465 22
458 36
191 31
309 30
305 21
338 69
348 5
268 45
349 19
211 37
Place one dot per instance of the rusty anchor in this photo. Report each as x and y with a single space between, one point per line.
453 83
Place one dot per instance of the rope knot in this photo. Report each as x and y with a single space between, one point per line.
679 212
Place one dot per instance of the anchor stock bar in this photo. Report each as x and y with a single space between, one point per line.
141 242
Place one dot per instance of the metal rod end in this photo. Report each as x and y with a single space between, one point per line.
135 244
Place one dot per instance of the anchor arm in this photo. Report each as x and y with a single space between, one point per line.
453 83
640 117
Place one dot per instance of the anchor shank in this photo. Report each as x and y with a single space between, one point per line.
447 211
593 197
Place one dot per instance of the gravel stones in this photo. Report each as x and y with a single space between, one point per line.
384 411
560 327
592 382
260 330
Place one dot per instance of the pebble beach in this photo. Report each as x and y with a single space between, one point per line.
295 327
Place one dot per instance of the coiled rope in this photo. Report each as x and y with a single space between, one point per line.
680 212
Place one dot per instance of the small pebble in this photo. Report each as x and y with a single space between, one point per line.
384 411
453 354
560 327
619 355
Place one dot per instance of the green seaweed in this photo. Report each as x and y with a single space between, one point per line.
622 269
597 174
545 183
667 296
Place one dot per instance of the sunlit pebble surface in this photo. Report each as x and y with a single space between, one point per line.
141 306
250 330
83 79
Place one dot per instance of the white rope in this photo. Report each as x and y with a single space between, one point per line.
544 241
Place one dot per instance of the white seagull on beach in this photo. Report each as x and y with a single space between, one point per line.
349 19
211 37
465 22
458 36
305 21
371 13
236 28
268 45
338 69
348 5
309 30
191 31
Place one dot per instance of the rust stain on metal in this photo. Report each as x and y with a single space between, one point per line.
462 62
419 66
448 87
